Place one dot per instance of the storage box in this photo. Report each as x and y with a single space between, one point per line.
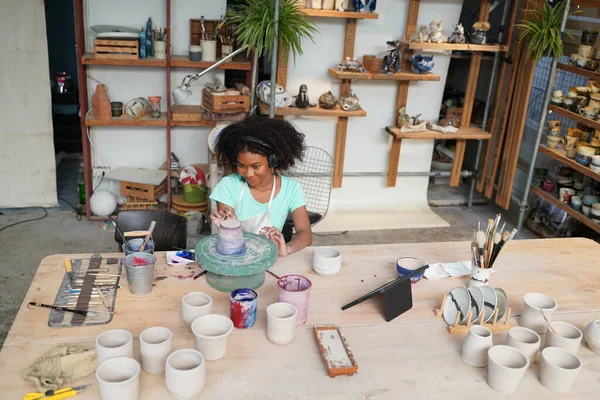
216 103
143 191
128 49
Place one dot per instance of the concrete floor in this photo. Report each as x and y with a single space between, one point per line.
24 246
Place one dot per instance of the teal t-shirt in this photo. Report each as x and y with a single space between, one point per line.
289 198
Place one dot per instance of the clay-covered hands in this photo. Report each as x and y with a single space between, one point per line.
276 237
218 216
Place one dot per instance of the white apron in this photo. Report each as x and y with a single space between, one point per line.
255 224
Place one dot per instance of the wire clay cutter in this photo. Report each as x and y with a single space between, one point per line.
56 394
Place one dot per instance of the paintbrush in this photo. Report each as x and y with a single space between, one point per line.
273 275
199 274
125 243
60 308
147 238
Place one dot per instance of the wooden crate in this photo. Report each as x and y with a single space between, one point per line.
185 113
143 191
225 104
117 49
134 203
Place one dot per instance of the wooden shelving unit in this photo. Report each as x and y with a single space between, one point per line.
184 61
398 76
339 14
91 120
560 156
574 116
549 197
578 71
311 112
494 48
463 133
88 59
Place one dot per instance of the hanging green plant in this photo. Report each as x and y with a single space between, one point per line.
255 22
542 30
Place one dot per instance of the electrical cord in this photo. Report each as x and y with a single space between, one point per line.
27 220
78 210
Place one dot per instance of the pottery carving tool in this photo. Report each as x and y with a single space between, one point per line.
547 322
125 243
102 297
147 238
69 270
56 394
59 308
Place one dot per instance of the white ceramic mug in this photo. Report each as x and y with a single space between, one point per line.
155 347
327 261
281 322
506 368
185 373
559 369
476 345
212 332
119 378
194 305
567 336
534 304
114 343
525 340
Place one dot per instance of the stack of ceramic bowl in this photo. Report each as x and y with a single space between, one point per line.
588 201
482 300
585 154
595 213
595 165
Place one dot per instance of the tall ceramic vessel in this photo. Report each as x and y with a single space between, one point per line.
230 239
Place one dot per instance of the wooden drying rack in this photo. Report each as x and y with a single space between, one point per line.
494 326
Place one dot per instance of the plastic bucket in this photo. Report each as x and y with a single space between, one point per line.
194 194
194 222
135 244
140 272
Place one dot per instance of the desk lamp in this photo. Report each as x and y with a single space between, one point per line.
182 92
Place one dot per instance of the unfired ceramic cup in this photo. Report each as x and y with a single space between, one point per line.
119 378
567 337
506 368
476 346
281 322
114 343
185 373
155 347
532 317
559 369
525 340
194 305
212 332
592 336
327 261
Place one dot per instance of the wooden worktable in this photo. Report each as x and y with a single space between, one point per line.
413 355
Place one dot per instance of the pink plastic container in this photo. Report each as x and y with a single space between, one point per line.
295 289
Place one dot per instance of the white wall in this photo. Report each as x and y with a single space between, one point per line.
27 166
368 145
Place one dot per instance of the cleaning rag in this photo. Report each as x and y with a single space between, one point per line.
61 365
446 270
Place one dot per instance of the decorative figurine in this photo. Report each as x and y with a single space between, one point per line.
351 65
403 119
282 97
458 36
342 5
301 101
443 129
479 35
327 100
216 85
359 5
416 119
435 34
420 36
350 102
391 62
421 64
370 5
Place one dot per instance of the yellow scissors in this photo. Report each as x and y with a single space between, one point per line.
55 394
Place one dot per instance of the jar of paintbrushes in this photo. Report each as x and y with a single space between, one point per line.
485 249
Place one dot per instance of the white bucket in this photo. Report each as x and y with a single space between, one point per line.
209 50
194 222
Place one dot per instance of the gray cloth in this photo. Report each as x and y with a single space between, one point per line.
61 365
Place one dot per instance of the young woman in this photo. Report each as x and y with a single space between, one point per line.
259 148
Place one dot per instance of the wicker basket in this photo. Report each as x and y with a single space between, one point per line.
372 65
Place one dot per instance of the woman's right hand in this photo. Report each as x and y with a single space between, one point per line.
218 216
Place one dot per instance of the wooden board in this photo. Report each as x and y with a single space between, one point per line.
459 155
91 59
472 132
185 62
579 71
91 120
335 351
178 203
574 116
560 155
454 46
312 112
139 175
398 76
187 113
377 346
578 215
339 14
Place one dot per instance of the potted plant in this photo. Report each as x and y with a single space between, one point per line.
480 29
542 30
255 22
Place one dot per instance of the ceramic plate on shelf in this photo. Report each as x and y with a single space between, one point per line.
489 302
502 304
115 31
214 135
458 300
476 303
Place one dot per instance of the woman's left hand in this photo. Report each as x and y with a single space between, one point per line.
276 237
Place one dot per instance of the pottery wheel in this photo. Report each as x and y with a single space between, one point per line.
260 255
